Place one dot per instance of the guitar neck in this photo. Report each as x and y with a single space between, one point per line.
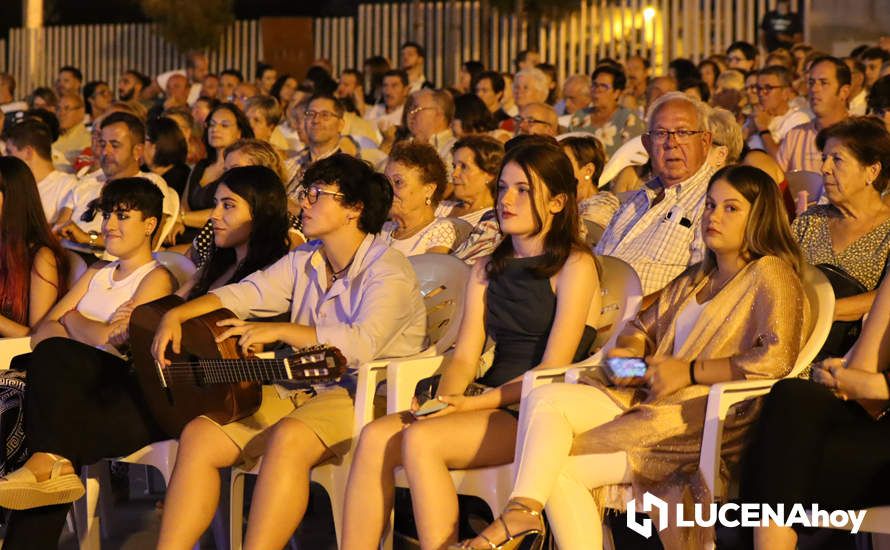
230 371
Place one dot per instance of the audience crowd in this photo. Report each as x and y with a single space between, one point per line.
721 184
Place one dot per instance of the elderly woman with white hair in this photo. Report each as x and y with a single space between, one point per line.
726 138
529 86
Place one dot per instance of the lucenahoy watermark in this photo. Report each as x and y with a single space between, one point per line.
750 515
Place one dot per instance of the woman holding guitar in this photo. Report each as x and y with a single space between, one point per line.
82 404
345 288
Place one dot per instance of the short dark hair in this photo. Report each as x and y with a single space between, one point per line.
684 69
261 68
473 115
129 194
875 53
143 79
421 51
747 49
841 71
497 81
423 158
360 185
879 95
46 94
31 132
703 91
473 67
73 70
619 80
233 72
170 145
356 73
135 127
783 74
399 73
47 117
338 105
587 150
867 139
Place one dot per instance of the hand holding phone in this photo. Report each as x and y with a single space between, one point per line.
626 371
429 407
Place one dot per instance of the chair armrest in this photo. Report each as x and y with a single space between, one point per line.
402 377
720 399
538 377
10 347
368 376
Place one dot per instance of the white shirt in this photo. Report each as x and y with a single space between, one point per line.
780 125
13 106
374 311
105 295
378 115
89 188
53 189
858 105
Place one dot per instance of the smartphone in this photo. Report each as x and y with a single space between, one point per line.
430 407
626 368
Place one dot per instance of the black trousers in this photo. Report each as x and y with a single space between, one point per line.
81 403
810 447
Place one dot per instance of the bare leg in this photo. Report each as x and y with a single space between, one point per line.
282 490
774 537
193 494
369 493
456 441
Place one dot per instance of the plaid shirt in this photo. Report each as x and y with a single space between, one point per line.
660 241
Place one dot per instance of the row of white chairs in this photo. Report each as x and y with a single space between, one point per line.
442 279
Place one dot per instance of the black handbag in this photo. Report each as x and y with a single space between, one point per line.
843 334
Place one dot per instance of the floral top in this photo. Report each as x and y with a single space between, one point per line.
864 259
623 125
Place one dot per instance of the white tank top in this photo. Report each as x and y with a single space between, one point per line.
105 295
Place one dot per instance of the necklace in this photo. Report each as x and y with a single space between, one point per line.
338 274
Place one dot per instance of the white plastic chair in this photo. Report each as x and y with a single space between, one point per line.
442 279
181 267
173 197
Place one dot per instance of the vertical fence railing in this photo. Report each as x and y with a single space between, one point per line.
104 52
450 30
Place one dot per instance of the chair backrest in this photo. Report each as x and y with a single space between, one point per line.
171 221
820 297
621 295
77 267
443 282
180 266
803 180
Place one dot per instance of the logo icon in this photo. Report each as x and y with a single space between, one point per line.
650 502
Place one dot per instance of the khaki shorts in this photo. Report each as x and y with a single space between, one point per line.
330 414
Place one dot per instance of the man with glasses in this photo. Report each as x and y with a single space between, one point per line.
775 114
742 56
429 120
323 124
612 124
658 230
828 84
74 136
537 119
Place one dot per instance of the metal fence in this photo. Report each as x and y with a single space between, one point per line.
456 31
104 52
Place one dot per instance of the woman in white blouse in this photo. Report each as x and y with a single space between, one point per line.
418 177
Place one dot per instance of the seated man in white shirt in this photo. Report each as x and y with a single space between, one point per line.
776 113
74 136
30 140
120 156
429 121
345 288
658 230
395 93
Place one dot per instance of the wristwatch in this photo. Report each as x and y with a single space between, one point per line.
94 238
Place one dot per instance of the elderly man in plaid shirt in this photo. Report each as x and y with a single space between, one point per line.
658 231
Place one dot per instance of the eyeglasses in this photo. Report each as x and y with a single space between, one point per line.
528 120
312 193
323 116
767 89
417 110
682 136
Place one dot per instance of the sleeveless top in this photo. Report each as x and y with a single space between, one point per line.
105 295
200 197
520 310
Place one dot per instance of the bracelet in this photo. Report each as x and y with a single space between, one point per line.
692 372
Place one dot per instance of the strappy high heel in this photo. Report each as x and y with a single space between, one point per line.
20 490
534 538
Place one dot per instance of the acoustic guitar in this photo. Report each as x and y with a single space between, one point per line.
210 378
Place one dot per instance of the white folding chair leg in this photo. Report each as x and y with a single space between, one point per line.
236 509
88 523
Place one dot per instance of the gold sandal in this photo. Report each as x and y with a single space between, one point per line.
20 490
535 537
